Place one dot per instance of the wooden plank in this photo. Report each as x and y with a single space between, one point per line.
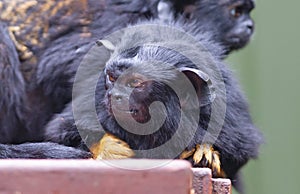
202 183
221 186
89 176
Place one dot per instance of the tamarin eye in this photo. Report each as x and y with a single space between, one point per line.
111 78
135 83
236 12
109 81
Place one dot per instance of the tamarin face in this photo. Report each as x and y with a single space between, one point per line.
229 19
143 99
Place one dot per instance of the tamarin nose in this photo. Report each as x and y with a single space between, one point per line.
250 25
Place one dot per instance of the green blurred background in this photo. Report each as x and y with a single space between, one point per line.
269 71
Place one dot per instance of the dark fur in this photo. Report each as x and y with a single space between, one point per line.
12 91
233 32
28 108
238 140
14 125
45 150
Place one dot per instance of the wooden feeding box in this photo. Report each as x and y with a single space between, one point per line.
132 176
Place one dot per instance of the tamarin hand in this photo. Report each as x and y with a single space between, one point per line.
204 155
110 147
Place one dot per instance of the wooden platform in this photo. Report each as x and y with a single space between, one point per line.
107 177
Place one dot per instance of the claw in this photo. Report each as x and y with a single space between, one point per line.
205 150
216 165
110 147
198 155
187 154
204 155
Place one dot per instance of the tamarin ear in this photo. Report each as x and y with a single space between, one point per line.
165 10
202 84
